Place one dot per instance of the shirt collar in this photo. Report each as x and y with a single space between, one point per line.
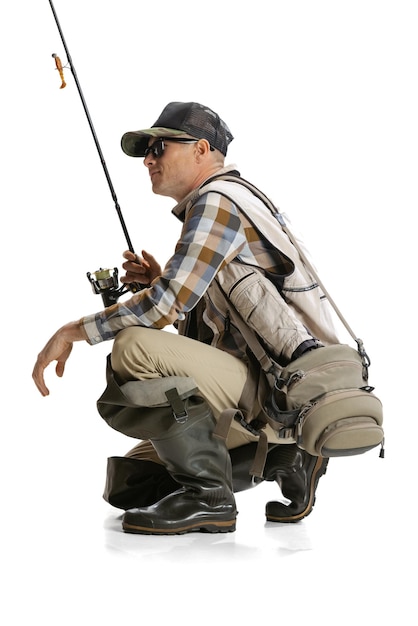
180 209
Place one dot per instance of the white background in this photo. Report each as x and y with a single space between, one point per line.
321 97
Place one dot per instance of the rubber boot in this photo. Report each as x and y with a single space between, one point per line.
296 472
136 482
200 463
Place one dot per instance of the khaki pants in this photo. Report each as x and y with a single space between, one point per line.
143 353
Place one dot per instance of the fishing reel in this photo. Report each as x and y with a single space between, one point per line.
106 284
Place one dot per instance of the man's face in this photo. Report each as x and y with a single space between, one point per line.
171 166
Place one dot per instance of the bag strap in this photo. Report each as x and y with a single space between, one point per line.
280 219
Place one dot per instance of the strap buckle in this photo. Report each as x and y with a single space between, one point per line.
251 429
178 406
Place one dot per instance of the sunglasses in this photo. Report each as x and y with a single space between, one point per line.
158 147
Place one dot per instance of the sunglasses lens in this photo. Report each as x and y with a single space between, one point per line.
157 149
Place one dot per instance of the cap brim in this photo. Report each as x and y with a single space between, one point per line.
134 143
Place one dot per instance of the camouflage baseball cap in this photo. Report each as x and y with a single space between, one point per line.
179 119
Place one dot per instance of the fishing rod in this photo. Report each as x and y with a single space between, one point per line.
102 281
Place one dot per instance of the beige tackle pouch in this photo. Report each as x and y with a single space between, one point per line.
324 402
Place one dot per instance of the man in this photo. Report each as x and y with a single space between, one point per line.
168 390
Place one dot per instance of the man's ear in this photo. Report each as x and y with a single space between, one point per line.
202 147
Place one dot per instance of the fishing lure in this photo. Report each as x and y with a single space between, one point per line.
60 70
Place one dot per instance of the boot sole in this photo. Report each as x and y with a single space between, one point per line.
318 471
208 527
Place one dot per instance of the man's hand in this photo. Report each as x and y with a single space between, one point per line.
57 349
140 270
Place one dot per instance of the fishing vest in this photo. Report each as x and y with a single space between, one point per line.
282 320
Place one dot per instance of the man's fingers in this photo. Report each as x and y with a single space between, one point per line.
38 377
59 369
57 349
154 266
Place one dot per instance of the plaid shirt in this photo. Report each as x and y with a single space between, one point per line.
214 233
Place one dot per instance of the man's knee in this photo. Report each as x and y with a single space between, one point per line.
129 352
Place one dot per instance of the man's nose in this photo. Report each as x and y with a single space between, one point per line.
149 159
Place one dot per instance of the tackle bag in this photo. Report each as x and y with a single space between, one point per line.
323 401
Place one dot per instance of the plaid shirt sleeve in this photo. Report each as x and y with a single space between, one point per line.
212 235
